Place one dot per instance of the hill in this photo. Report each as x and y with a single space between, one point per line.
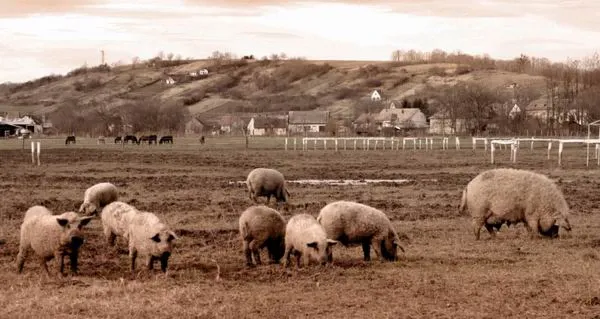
245 86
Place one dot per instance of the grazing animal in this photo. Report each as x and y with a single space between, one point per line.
70 140
166 139
151 238
353 223
202 139
118 140
116 218
142 139
305 238
51 236
267 182
131 138
152 139
261 226
98 196
513 195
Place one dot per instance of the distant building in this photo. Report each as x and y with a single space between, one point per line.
260 126
375 96
307 121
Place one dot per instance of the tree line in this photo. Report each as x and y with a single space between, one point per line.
572 92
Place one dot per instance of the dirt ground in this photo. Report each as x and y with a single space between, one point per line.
444 273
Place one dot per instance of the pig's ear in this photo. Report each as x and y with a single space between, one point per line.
314 244
62 221
172 236
331 242
156 238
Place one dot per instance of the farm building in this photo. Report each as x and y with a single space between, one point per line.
12 126
260 125
403 118
307 121
193 126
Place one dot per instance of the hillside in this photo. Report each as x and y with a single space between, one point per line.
246 86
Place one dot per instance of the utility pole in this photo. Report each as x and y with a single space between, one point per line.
102 57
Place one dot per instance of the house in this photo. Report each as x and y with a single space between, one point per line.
232 124
441 123
403 118
365 123
375 96
170 81
307 121
13 126
194 126
262 125
203 72
516 110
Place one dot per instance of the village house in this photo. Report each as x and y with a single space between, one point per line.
193 126
375 96
401 118
366 124
14 126
271 126
307 121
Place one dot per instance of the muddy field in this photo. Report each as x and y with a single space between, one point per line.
444 273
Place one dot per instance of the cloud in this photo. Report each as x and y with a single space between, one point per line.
567 12
272 35
15 8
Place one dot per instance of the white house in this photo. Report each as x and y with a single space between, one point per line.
375 96
203 72
514 111
170 81
260 126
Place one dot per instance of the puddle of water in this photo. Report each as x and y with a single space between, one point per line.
341 182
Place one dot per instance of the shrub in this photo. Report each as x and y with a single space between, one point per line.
33 84
194 98
462 69
85 70
293 71
373 83
436 70
344 93
223 83
399 81
88 85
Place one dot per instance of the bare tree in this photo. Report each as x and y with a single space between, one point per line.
170 56
134 61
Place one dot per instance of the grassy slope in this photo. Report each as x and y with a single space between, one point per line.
302 85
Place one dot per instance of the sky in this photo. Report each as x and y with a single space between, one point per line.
40 37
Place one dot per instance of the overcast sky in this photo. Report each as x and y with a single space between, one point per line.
39 37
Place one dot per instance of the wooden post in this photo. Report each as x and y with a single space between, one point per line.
38 152
560 150
492 153
32 152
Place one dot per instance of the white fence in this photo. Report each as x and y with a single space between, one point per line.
429 143
368 143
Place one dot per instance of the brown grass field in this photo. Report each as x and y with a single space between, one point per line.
444 273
